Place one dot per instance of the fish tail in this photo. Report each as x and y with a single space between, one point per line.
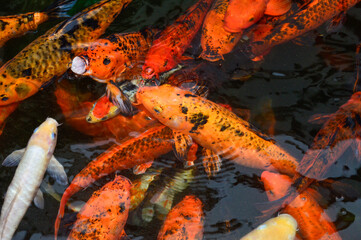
59 8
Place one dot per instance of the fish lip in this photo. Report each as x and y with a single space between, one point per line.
79 65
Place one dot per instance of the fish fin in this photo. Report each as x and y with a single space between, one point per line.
211 162
56 171
358 66
308 39
148 213
356 147
59 8
319 118
163 78
14 158
124 236
142 168
185 58
76 206
181 145
336 22
119 99
39 199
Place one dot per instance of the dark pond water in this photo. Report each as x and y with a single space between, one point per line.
296 80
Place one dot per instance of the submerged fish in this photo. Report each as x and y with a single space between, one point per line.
312 220
216 41
167 50
282 227
136 151
17 25
310 17
105 213
215 128
184 221
34 161
47 57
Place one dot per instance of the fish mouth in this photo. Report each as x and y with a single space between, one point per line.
79 65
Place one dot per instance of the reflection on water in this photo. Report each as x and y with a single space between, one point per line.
297 80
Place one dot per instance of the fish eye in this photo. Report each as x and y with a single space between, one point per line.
36 129
158 109
53 135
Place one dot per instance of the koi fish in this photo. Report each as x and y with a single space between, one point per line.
313 221
105 213
107 59
313 16
282 227
162 201
33 162
215 128
136 151
102 110
215 40
242 14
47 57
167 50
17 25
184 221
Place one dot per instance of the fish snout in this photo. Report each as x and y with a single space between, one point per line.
79 65
148 72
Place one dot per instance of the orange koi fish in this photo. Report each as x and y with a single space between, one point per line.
184 221
167 50
313 222
136 151
107 59
216 41
17 25
105 213
102 110
316 13
215 128
242 14
47 57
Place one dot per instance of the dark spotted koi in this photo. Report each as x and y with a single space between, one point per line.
167 50
105 213
215 128
47 57
184 221
142 149
17 25
313 16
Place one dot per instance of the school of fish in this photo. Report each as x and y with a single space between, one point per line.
151 105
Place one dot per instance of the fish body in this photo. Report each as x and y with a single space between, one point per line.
215 128
215 40
107 59
105 213
17 25
47 57
242 14
316 13
313 222
28 177
184 221
142 149
167 50
282 227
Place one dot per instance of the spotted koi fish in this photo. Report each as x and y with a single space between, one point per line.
167 50
216 41
105 213
47 57
17 25
136 151
313 16
215 128
184 221
312 220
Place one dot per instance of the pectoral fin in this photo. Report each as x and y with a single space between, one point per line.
140 169
39 199
181 145
211 162
119 99
14 158
56 171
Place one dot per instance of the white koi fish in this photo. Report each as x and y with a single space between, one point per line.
33 162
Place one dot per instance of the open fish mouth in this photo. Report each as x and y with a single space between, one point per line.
79 65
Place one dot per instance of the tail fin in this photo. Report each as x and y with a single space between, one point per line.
59 8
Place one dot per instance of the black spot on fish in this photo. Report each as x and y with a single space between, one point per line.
198 119
3 25
165 63
184 110
26 72
106 61
64 43
190 95
92 23
112 38
239 133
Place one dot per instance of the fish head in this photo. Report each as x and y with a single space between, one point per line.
102 110
45 136
159 59
16 89
275 184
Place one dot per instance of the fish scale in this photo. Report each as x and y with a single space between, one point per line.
47 57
